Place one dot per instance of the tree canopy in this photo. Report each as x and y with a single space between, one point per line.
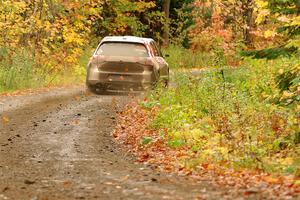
61 30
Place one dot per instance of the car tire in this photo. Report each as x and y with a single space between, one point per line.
166 80
166 83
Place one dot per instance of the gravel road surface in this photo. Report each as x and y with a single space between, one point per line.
57 144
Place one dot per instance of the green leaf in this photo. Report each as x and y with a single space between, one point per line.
146 140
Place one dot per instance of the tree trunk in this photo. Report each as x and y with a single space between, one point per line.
248 16
166 10
212 10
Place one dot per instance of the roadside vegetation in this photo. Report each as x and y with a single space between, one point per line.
235 95
20 71
245 117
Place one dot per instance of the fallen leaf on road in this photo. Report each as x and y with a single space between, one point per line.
77 98
5 119
67 183
76 122
125 178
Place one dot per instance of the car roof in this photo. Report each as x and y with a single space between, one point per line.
132 39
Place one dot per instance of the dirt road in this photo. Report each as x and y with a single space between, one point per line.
58 145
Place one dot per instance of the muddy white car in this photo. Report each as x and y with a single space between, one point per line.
126 63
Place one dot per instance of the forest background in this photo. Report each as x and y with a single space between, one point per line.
54 36
40 39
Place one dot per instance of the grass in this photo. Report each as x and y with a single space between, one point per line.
182 58
236 117
20 71
17 72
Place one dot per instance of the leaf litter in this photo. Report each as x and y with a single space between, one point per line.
134 132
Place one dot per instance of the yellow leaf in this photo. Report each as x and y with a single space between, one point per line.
297 183
5 119
281 71
288 161
269 33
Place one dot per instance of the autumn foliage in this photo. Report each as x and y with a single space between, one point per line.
151 146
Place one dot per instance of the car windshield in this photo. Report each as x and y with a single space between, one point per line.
122 49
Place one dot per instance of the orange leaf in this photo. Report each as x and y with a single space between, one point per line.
271 180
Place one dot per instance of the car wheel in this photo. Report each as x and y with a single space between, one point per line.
166 81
